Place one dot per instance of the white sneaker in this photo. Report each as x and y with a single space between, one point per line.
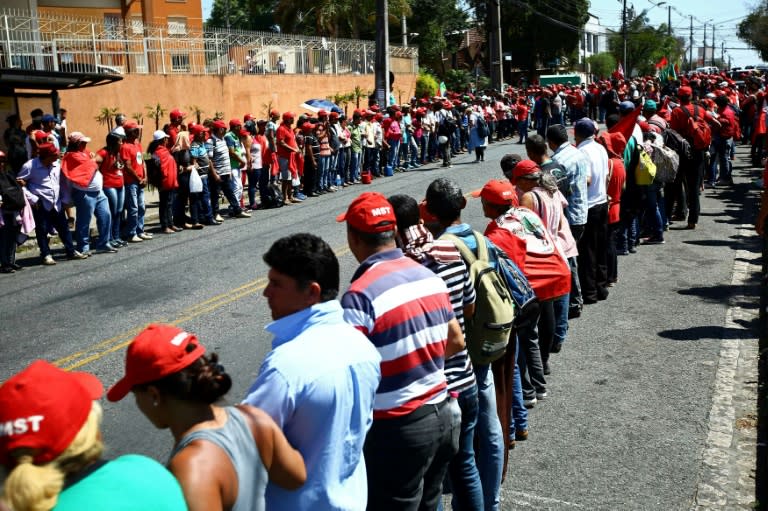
48 260
135 239
218 218
541 395
243 214
145 236
529 403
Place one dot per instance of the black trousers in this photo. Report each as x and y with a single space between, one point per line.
593 254
694 173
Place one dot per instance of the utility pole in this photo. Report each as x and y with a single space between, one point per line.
722 53
713 45
382 53
497 66
690 49
669 20
405 30
624 35
704 56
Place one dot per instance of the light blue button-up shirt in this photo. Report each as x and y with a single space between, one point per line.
318 383
44 183
577 166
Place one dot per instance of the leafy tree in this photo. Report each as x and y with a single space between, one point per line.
753 29
426 85
458 80
335 18
243 14
440 24
535 30
156 112
602 64
646 45
107 116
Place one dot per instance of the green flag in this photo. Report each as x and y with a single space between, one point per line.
671 74
443 88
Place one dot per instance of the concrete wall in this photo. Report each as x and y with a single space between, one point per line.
234 95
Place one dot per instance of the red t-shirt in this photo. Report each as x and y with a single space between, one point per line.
113 176
132 153
615 184
522 112
285 134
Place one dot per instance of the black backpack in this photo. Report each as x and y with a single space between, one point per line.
677 143
482 127
11 192
447 127
273 198
560 174
154 172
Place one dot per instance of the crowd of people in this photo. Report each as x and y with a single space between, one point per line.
286 159
396 374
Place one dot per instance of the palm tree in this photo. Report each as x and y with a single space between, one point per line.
107 116
157 113
357 94
196 111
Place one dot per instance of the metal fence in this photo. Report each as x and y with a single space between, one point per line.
59 43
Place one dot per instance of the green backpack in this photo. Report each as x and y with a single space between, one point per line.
487 332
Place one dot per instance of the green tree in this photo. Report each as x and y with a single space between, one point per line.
107 116
441 25
753 29
458 80
535 30
243 14
335 18
646 45
156 112
426 85
602 64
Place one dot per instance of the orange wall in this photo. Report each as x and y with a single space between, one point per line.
157 11
234 95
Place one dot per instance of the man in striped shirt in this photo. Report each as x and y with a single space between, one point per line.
444 259
405 311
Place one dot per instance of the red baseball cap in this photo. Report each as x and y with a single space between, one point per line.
131 125
288 115
274 113
47 150
322 113
177 114
524 168
197 129
234 122
308 126
370 212
43 408
685 91
248 117
334 115
243 132
497 191
158 351
218 123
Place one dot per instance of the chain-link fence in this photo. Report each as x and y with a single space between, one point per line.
115 45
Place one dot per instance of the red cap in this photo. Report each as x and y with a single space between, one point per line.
375 108
288 115
235 122
685 91
177 114
197 129
370 212
158 351
248 117
524 168
243 132
218 123
43 408
425 215
47 150
274 113
497 191
308 126
322 113
378 117
334 115
131 125
41 136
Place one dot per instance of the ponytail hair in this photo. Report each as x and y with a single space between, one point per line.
31 487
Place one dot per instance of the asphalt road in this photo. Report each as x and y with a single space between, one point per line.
630 394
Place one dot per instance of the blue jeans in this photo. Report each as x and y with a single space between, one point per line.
518 420
226 185
462 470
89 204
341 166
561 319
323 171
393 155
134 209
44 221
354 166
489 438
721 158
522 129
204 206
116 198
655 210
254 175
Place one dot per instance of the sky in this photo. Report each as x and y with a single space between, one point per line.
725 22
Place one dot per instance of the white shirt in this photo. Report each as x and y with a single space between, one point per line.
597 171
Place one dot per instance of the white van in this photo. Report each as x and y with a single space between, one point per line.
708 70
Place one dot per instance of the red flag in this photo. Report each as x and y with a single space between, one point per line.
626 124
677 70
662 63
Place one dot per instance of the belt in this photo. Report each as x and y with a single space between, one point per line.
425 410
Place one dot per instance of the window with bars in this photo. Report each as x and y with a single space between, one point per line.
177 25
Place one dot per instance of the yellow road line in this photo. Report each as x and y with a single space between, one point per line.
122 340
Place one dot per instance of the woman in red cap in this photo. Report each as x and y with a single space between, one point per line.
222 456
51 443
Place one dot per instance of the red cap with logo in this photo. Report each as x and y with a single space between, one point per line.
685 91
158 351
218 123
43 408
131 125
177 114
197 129
370 212
233 123
274 113
288 115
497 191
248 117
47 150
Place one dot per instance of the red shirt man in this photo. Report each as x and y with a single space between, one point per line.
285 137
133 155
